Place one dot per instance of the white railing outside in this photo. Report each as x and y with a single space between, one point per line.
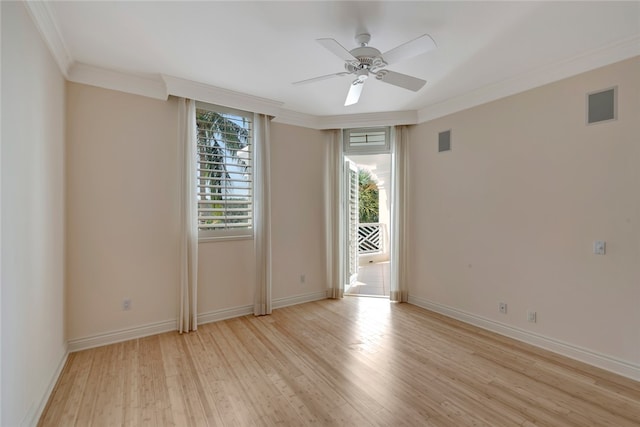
371 238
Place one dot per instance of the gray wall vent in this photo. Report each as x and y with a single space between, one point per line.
601 105
444 141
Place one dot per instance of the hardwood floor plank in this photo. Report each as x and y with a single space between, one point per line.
130 372
205 372
90 393
108 403
366 366
350 362
63 404
155 408
282 376
342 357
180 389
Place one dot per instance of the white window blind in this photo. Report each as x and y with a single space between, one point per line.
225 171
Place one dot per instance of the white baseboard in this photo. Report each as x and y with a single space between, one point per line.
152 329
33 415
299 299
171 325
230 313
620 367
122 335
223 314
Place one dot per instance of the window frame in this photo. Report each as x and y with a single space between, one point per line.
205 235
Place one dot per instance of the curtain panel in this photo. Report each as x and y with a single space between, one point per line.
399 289
334 216
262 215
188 158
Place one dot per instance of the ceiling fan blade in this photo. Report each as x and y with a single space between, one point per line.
354 93
401 80
412 48
319 78
337 49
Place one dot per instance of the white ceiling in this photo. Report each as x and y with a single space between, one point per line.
260 48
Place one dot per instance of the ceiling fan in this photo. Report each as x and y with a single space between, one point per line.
365 61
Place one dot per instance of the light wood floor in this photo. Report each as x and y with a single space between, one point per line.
355 362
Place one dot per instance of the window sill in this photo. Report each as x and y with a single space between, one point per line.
208 239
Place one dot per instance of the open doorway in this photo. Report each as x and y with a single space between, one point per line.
369 224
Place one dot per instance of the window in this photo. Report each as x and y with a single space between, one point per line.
225 172
368 140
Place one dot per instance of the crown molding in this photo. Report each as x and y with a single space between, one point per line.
163 86
168 85
45 22
224 97
294 118
389 118
593 59
149 86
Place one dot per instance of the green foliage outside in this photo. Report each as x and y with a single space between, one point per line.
368 197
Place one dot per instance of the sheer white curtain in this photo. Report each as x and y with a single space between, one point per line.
399 286
334 215
262 214
188 157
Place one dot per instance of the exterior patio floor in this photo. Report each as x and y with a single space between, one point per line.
373 280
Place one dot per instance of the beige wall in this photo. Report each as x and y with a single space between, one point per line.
122 210
298 164
122 203
33 340
511 213
226 276
226 272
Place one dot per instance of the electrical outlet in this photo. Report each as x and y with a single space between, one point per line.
303 278
126 304
599 247
531 316
502 306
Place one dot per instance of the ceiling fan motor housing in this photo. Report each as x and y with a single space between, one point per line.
368 58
